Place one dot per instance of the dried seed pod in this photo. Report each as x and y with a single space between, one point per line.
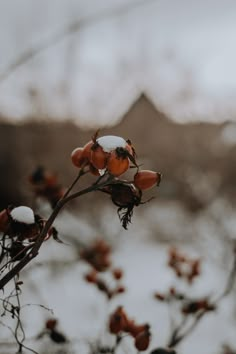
57 337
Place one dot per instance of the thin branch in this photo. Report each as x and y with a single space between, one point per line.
80 174
177 336
175 340
14 310
19 323
34 251
39 305
16 256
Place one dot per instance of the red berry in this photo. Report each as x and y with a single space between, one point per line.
142 340
146 179
91 277
51 323
77 157
117 165
98 157
117 273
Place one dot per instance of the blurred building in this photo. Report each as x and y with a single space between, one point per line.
179 151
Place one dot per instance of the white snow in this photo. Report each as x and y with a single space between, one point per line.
111 142
23 214
102 171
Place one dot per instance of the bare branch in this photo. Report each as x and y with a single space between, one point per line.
38 243
178 334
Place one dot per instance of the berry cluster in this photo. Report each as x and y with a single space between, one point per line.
183 266
112 156
98 256
120 323
188 306
111 153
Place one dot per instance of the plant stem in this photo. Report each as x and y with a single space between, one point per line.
34 251
179 334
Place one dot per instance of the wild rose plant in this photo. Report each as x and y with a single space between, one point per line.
23 231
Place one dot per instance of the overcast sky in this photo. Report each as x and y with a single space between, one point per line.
181 53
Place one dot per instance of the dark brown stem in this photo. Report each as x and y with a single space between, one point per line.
34 251
179 337
16 256
175 336
80 174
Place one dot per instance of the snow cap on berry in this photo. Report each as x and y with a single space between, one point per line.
23 214
111 142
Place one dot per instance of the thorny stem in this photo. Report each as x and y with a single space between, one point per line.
64 200
177 336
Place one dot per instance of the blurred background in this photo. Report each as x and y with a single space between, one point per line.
159 72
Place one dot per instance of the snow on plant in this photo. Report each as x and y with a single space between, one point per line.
23 214
24 231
